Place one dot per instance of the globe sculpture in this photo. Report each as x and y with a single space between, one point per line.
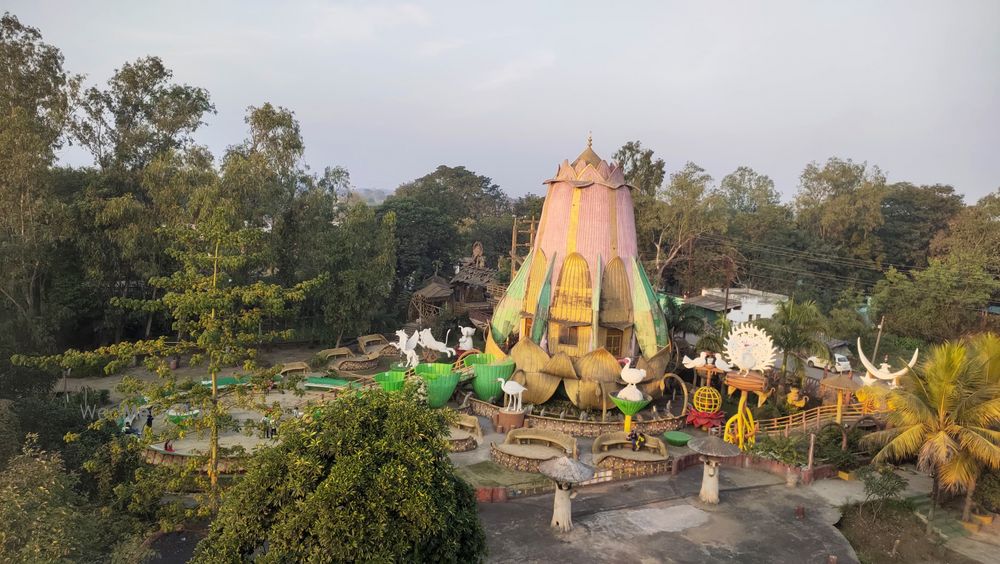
707 399
706 409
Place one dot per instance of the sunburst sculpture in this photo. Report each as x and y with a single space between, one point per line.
749 348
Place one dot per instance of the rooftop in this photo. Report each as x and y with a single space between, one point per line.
742 293
713 303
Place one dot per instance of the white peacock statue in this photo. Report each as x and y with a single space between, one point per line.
748 348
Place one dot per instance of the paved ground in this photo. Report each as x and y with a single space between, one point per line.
661 520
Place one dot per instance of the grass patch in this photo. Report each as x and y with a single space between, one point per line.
873 536
488 474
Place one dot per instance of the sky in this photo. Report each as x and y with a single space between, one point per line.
391 90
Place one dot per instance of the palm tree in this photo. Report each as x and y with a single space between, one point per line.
986 349
795 328
681 320
942 415
714 335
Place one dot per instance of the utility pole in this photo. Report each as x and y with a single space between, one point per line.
878 338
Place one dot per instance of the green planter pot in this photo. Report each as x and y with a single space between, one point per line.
629 407
391 381
440 388
431 369
485 384
676 438
474 359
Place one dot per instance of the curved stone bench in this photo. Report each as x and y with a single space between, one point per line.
460 440
614 451
524 449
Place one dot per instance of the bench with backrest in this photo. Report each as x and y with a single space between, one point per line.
542 437
333 354
523 449
617 445
294 367
469 424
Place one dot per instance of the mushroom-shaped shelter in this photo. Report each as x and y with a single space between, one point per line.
711 449
565 472
581 298
844 385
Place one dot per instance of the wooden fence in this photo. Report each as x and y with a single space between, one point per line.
815 418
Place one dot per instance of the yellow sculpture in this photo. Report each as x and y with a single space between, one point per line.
752 351
707 400
795 400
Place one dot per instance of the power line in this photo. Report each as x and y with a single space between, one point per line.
814 256
836 279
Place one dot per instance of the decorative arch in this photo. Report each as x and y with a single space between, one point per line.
573 294
616 297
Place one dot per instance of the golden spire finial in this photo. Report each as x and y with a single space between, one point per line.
588 155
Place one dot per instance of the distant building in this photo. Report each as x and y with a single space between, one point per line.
751 304
710 307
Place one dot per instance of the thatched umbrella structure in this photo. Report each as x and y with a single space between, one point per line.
564 472
843 384
711 449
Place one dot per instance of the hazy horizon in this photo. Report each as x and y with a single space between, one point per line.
391 90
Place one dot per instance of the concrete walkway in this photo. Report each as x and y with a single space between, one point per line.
660 519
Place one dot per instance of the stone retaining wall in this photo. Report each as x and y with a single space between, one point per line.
579 428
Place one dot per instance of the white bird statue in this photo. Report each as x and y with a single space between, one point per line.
512 394
631 376
697 362
702 360
408 347
883 371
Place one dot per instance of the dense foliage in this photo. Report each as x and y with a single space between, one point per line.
365 478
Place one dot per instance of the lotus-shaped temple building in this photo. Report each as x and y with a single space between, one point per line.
581 300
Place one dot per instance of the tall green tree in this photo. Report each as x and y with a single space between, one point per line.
457 193
34 219
137 117
973 233
941 302
643 171
361 268
669 226
913 216
372 460
747 191
842 200
220 319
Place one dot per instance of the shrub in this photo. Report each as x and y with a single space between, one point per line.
882 484
987 492
363 478
787 450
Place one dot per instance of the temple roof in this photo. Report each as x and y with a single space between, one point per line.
588 155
